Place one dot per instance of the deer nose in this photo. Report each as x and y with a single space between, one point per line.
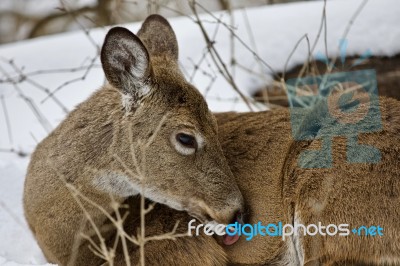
235 214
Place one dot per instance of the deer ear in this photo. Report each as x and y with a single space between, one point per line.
126 63
158 37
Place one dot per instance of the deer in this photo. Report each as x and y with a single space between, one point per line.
257 152
96 155
264 158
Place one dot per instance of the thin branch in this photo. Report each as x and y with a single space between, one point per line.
7 118
219 63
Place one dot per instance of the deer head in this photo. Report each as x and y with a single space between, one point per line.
183 163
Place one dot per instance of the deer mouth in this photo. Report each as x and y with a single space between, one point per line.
204 214
230 239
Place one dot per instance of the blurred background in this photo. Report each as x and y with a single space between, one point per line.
24 19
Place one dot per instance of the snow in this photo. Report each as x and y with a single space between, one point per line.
5 262
276 30
40 7
18 244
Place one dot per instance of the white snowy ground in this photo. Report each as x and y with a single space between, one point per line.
276 30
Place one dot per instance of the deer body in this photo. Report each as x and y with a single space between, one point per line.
147 132
150 133
264 159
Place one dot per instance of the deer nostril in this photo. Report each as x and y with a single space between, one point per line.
208 217
237 217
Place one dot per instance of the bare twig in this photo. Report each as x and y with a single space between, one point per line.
219 63
7 118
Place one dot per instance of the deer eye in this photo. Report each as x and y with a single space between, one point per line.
186 140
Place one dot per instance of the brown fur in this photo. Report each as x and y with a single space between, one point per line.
92 151
260 152
263 157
